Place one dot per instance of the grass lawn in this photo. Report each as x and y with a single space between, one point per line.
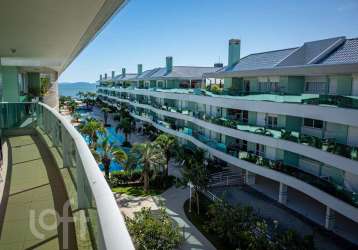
199 222
137 190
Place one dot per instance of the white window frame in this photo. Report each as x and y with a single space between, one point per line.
273 118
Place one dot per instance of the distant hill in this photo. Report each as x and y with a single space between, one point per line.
64 83
72 88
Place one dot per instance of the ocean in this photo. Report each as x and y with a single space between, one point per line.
71 89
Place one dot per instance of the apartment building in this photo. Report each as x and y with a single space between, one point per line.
286 119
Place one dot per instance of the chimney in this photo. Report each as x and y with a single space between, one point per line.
113 72
105 76
169 63
123 72
218 65
140 69
100 77
234 52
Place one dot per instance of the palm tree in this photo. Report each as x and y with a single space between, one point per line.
72 105
169 146
127 125
109 153
195 173
92 96
80 94
105 111
90 129
123 112
76 116
150 158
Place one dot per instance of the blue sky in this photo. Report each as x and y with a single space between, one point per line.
196 32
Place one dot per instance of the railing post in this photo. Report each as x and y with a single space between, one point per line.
53 121
83 191
67 146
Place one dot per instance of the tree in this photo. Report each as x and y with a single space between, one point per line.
195 173
63 100
127 126
123 112
76 116
151 158
72 105
105 111
169 145
151 230
108 153
80 94
91 128
92 96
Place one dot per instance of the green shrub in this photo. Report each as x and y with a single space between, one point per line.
216 89
154 231
243 229
123 177
160 182
126 144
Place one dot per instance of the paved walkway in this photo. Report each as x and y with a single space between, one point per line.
29 189
173 200
270 209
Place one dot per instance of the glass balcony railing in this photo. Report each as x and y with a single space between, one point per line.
334 100
89 194
325 184
273 96
329 144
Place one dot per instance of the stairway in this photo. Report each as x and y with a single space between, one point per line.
226 177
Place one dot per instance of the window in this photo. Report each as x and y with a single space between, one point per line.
243 145
246 86
271 121
245 116
315 87
312 123
268 86
260 150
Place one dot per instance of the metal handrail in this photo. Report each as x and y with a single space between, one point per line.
112 225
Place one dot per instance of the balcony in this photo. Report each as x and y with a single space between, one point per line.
194 136
267 103
350 102
52 171
328 145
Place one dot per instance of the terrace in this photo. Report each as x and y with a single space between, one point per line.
326 185
340 101
51 170
329 145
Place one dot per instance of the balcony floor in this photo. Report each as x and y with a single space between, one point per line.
33 193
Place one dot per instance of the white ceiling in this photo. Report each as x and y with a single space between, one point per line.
50 33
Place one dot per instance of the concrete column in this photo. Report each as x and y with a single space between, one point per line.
282 195
330 219
249 178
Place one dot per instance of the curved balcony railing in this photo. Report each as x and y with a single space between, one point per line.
92 193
